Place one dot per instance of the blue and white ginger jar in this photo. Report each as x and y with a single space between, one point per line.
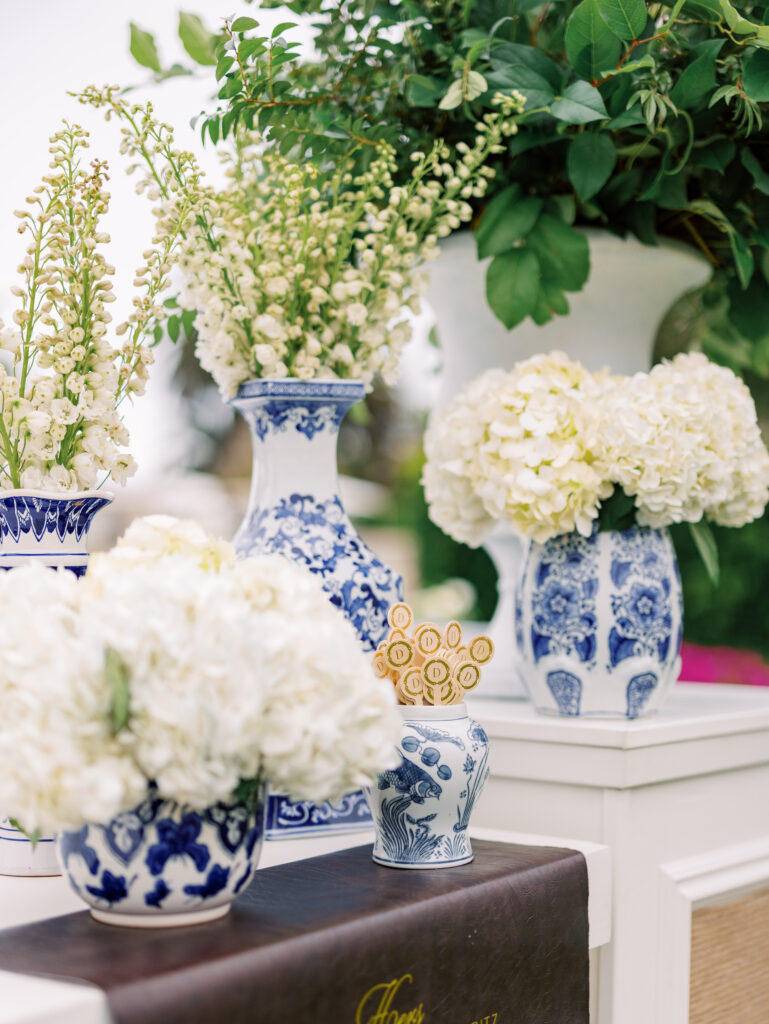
599 623
294 510
422 807
48 528
161 864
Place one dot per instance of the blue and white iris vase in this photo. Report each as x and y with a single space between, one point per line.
599 623
422 807
43 528
294 510
162 864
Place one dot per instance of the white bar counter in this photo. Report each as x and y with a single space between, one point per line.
682 801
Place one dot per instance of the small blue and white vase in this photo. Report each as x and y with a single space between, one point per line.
599 623
48 528
422 807
160 864
294 510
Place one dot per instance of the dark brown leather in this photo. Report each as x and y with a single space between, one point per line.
306 943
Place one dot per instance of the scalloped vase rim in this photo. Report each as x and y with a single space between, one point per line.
259 387
33 492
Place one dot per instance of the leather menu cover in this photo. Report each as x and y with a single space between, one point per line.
339 940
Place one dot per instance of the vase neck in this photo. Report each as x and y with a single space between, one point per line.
294 429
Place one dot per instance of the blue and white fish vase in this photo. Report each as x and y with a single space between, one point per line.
294 510
160 865
422 807
599 623
48 528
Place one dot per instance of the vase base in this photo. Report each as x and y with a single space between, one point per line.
617 716
181 920
423 865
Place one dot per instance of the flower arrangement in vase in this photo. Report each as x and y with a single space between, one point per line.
64 378
173 684
299 275
422 808
592 468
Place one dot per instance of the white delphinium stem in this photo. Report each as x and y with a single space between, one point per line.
296 270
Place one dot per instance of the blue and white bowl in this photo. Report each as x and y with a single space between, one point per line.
422 807
161 864
599 623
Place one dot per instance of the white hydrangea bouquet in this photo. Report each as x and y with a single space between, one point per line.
298 270
551 448
173 668
62 378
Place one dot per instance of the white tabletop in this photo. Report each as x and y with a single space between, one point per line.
26 999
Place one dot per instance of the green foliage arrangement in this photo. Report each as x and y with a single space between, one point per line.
641 118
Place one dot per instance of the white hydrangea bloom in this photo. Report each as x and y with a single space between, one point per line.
685 442
233 671
59 762
520 446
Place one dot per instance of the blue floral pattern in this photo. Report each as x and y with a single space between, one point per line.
599 622
287 817
564 615
309 407
422 807
160 858
320 536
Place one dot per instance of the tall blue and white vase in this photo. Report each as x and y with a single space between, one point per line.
599 623
422 807
162 864
294 510
48 529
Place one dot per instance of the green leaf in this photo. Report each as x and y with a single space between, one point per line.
627 119
749 308
117 678
199 43
756 171
743 257
579 104
590 44
617 512
563 252
512 285
143 48
590 160
422 91
716 155
515 56
188 321
244 24
755 75
535 87
707 549
34 837
699 77
283 26
173 324
625 18
453 96
507 218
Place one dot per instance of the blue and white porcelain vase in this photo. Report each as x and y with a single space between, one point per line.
294 510
48 528
422 807
599 623
160 864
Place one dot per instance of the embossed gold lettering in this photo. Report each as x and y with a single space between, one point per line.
383 1014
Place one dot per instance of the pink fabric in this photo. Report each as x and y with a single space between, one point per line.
722 665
